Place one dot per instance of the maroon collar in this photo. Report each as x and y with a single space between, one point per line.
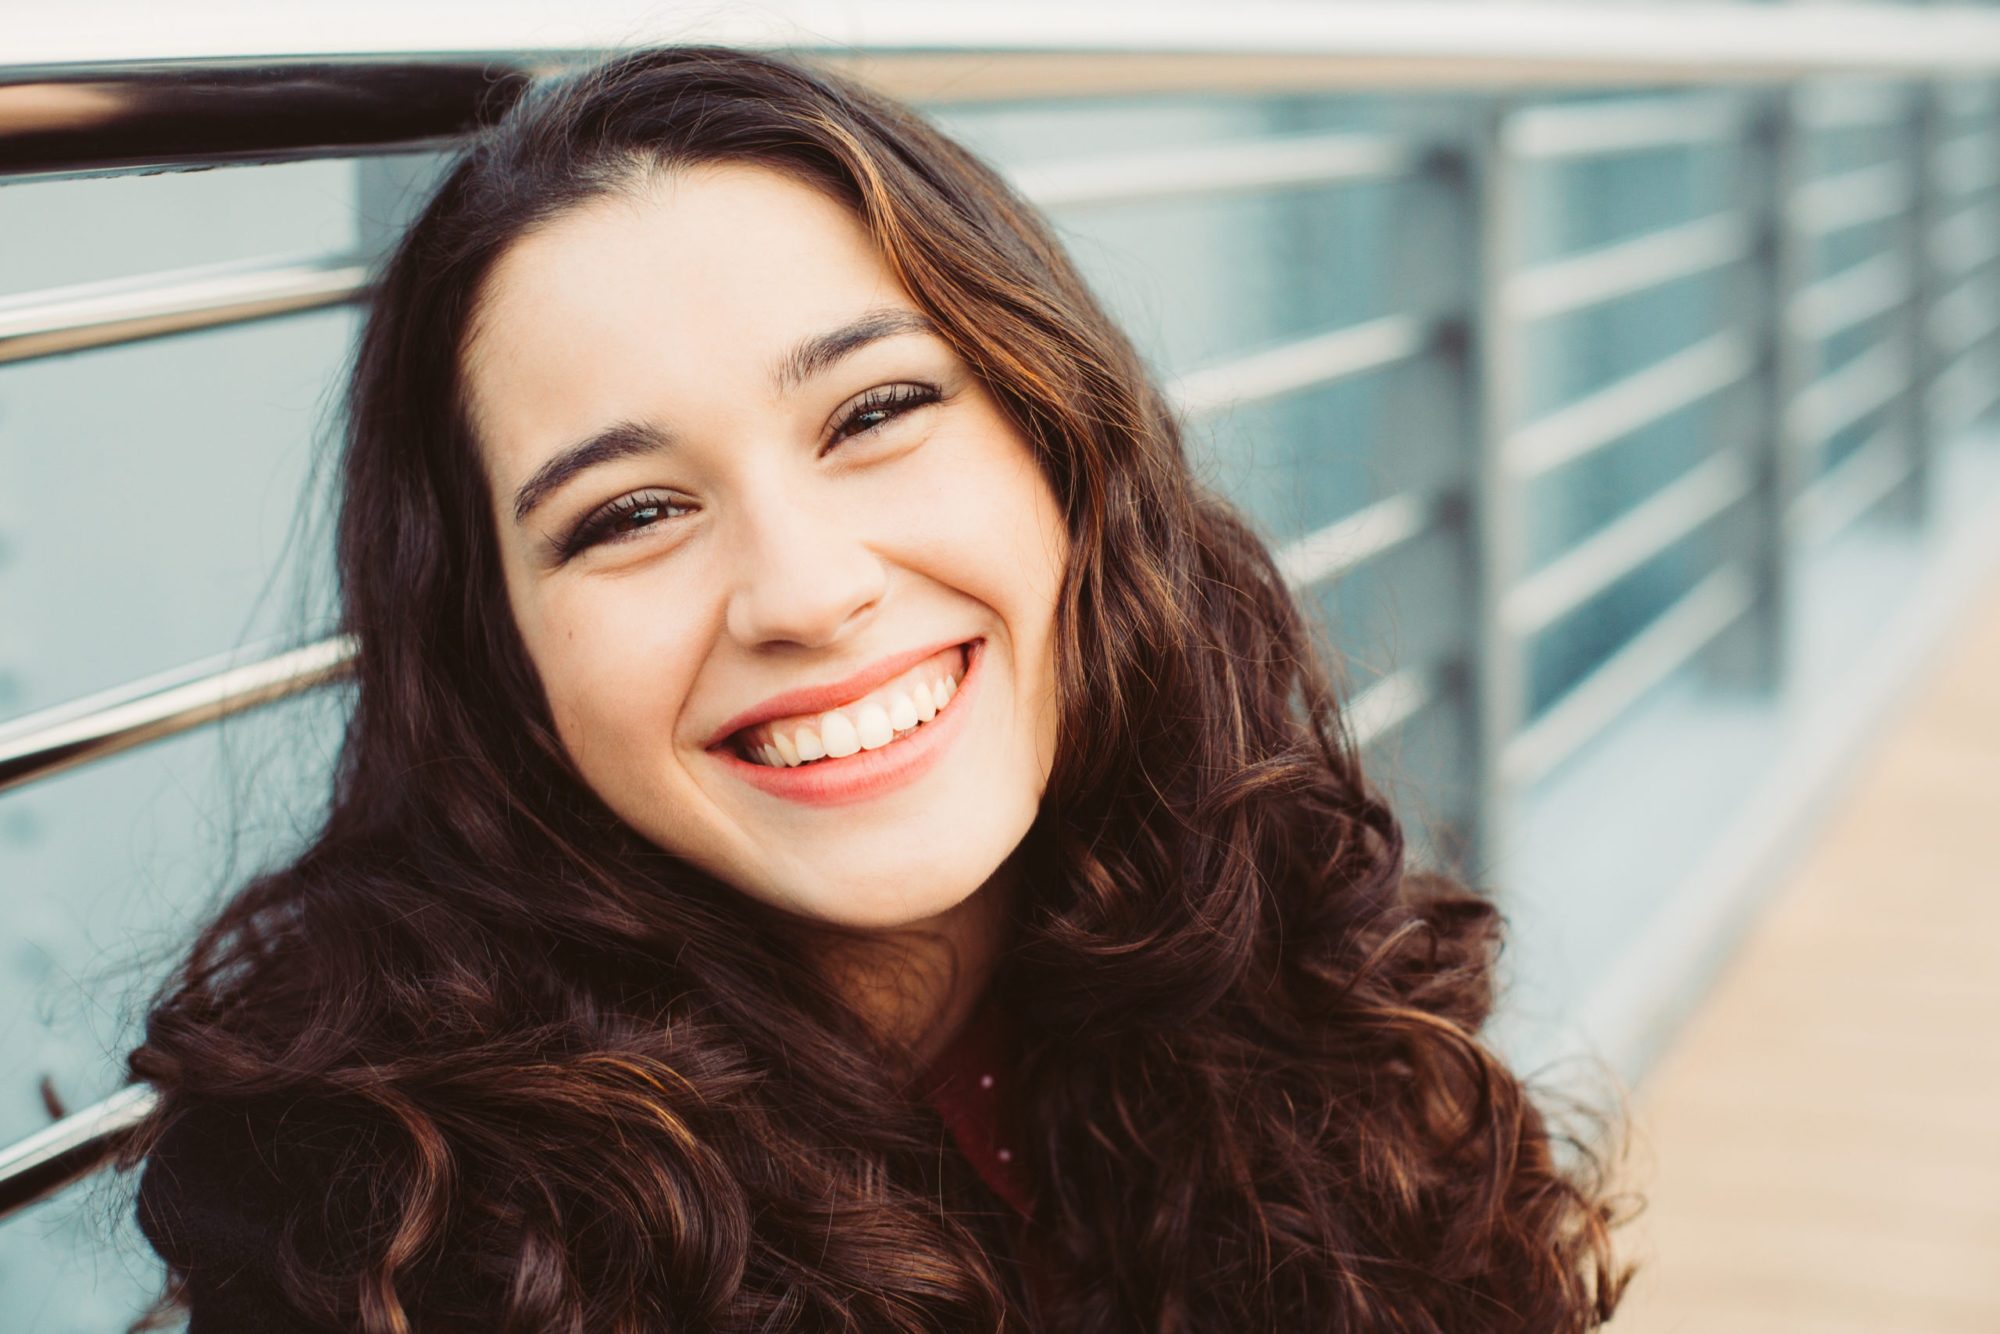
971 1083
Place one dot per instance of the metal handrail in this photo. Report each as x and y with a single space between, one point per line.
1566 131
89 315
1673 637
1369 532
1855 295
1669 516
278 83
1559 286
1853 198
1850 488
1220 168
1970 163
1302 363
1849 107
45 743
1605 415
1839 399
53 1157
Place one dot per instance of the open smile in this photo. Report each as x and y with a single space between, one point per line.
863 749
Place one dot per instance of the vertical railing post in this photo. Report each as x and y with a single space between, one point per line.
1497 384
1912 501
1750 655
1432 404
1959 351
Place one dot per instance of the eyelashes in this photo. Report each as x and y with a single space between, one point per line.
615 522
886 404
602 526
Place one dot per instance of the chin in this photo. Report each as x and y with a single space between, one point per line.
888 897
877 906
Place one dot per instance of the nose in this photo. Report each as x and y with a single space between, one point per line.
801 574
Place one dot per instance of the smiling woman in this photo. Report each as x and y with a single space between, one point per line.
838 830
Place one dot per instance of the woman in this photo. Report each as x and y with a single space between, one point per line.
837 830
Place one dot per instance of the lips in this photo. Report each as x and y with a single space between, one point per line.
868 774
833 694
906 701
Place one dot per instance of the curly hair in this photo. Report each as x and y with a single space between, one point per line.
530 1072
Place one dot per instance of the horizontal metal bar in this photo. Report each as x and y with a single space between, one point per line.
1849 106
1568 130
1599 418
1835 402
1965 315
102 314
1388 703
1558 286
1967 98
1968 164
1852 198
37 1167
48 742
1852 296
1211 169
172 86
1289 367
1346 543
1963 392
1626 543
1622 680
1832 501
1650 40
1969 239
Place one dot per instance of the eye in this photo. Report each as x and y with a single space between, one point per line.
623 518
879 407
628 516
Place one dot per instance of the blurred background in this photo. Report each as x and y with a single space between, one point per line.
1616 381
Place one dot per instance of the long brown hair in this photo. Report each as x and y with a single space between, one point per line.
544 1076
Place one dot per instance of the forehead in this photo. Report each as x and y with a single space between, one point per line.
693 279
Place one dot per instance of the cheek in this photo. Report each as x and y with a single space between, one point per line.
615 671
978 515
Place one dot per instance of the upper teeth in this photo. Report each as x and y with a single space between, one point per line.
874 720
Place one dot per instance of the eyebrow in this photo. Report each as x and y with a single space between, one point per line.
821 351
627 439
622 441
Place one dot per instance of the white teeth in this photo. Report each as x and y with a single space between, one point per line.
871 724
868 725
839 735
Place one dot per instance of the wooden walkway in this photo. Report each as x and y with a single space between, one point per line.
1821 1146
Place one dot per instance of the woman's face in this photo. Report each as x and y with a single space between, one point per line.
751 510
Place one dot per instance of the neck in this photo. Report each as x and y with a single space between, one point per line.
917 985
